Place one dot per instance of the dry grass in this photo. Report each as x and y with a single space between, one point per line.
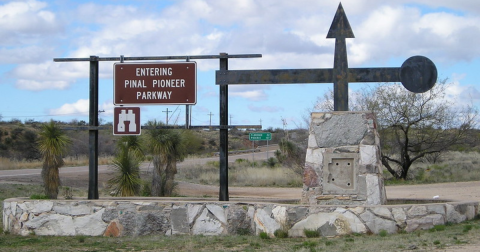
10 164
241 174
452 166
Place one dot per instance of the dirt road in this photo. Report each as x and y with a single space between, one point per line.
77 177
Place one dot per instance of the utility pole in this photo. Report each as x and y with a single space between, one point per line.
210 118
187 116
231 119
167 115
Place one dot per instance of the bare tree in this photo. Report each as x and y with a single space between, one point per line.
412 126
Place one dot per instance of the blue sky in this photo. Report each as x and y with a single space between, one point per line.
289 35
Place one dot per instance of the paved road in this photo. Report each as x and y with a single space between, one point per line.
10 175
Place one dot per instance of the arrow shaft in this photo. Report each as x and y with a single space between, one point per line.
340 72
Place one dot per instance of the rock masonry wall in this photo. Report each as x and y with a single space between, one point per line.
161 217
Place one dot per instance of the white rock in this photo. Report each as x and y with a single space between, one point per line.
374 195
453 216
206 225
218 212
416 211
24 217
13 208
425 222
368 155
72 210
375 223
265 223
312 141
91 225
312 222
382 212
439 209
192 212
355 224
51 224
42 206
280 214
315 155
357 210
399 216
470 214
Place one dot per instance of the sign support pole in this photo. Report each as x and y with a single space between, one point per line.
93 130
223 195
187 108
253 153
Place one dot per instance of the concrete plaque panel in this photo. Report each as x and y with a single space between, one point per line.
340 173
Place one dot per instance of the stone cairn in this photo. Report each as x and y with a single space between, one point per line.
342 165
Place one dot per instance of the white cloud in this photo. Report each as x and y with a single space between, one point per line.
22 22
289 35
461 95
254 95
38 86
80 107
48 75
249 92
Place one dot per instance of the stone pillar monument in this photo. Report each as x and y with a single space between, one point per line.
342 165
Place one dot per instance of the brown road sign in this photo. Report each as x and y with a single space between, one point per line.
155 83
126 121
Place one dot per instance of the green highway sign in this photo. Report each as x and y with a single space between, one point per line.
260 136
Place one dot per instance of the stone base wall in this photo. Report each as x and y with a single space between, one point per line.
138 217
342 164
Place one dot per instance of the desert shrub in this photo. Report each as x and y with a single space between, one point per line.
280 233
264 235
39 196
311 233
383 233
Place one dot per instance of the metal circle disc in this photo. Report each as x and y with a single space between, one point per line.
418 74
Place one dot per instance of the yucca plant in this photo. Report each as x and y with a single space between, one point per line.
166 147
53 145
126 165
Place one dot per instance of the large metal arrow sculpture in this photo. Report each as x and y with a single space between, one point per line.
417 74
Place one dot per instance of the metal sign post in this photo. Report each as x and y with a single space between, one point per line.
93 130
93 116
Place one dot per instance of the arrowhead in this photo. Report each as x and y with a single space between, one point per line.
340 27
